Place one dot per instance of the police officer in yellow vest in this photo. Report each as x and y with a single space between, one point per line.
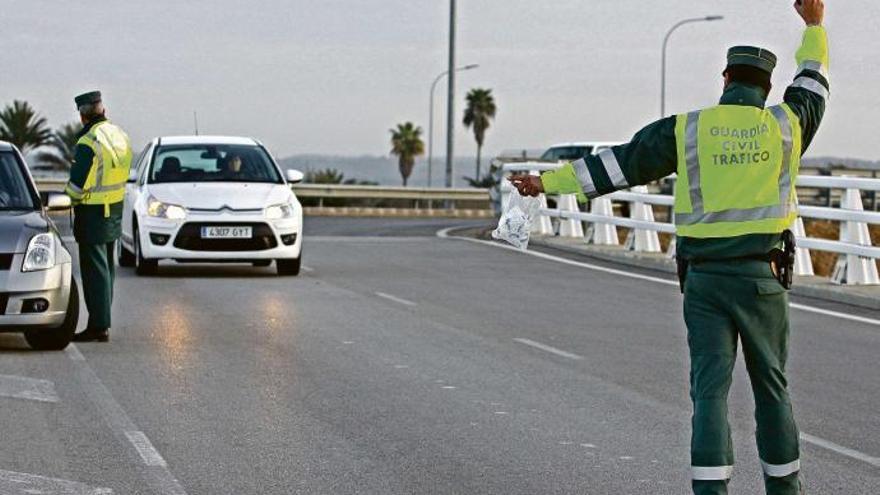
97 187
737 164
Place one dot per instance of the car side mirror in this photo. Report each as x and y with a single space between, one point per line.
295 176
57 201
132 176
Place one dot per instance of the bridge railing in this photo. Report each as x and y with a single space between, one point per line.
857 260
473 200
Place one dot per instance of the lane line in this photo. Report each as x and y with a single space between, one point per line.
145 448
840 449
73 353
159 477
395 299
547 348
355 238
444 234
21 483
22 387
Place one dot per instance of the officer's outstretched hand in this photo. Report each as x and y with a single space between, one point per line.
527 185
812 11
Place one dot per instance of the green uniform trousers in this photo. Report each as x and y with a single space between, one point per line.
726 302
98 270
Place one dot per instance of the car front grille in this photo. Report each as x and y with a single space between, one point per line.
190 238
5 261
4 298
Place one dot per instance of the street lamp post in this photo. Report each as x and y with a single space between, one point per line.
663 66
431 118
450 95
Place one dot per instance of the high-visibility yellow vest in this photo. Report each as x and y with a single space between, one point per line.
737 167
105 184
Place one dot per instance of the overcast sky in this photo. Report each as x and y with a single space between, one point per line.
331 76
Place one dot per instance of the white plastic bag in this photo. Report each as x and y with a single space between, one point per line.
515 224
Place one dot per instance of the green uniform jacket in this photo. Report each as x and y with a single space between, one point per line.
652 155
90 226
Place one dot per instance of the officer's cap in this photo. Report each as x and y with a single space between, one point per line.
752 56
89 98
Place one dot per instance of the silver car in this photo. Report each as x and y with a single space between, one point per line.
38 294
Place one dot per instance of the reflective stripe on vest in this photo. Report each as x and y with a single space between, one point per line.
111 164
741 140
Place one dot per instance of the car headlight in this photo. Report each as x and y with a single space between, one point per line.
276 212
158 209
40 253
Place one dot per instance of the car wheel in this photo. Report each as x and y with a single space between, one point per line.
288 266
143 266
56 339
125 257
262 263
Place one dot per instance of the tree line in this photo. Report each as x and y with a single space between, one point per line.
23 126
407 143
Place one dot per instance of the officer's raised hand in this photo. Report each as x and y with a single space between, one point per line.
812 11
527 185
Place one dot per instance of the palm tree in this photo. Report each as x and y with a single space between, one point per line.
22 126
64 143
407 144
478 114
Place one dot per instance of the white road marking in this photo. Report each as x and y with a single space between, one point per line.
547 348
347 342
158 476
588 445
448 387
371 239
145 448
73 353
22 387
445 235
395 299
501 413
12 483
840 449
625 458
401 366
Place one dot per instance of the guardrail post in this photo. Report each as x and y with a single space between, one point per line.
569 227
541 224
602 234
803 263
853 269
642 240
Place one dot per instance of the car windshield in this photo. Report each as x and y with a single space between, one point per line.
213 163
15 189
566 153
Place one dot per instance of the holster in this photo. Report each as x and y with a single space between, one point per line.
682 265
783 259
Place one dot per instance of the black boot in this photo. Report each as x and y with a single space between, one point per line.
93 335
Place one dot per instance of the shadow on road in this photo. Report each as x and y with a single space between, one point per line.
219 271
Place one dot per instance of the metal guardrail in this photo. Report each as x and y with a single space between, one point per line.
857 265
344 191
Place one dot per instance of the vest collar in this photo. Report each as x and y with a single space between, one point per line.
743 95
86 128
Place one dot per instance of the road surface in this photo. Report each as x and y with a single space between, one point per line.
400 362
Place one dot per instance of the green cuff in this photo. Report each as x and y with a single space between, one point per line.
563 181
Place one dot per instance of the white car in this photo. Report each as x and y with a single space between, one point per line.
210 199
574 151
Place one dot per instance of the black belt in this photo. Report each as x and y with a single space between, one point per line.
781 261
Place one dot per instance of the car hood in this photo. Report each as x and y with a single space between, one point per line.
215 196
17 228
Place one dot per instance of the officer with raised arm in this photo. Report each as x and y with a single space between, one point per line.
97 187
737 164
